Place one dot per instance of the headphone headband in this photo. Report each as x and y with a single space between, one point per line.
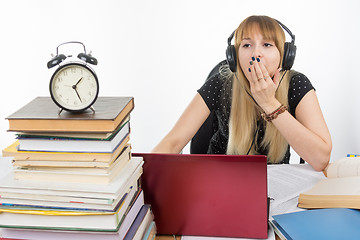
231 37
287 30
289 51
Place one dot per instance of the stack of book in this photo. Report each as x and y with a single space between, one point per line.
73 175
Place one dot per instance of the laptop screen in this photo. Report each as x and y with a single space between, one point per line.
207 195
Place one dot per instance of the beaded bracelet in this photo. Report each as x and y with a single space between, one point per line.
271 116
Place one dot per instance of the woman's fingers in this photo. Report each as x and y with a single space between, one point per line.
263 70
262 86
258 70
254 74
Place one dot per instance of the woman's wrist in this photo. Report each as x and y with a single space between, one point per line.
273 115
270 107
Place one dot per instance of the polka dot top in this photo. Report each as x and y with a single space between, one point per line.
216 93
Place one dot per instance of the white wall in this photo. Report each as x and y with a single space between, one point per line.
160 52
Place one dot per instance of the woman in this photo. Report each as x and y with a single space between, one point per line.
260 109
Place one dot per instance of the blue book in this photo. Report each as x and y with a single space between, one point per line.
135 226
331 223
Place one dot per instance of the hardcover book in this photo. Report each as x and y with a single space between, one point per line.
67 219
22 158
140 224
74 145
341 188
42 234
41 115
96 175
112 190
329 224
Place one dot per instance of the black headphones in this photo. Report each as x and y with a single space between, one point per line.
83 56
289 51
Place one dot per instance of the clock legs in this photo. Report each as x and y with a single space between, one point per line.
91 108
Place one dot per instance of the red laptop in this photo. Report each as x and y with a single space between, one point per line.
207 195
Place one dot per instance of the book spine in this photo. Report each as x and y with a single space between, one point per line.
135 225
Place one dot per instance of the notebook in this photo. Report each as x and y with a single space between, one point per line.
207 195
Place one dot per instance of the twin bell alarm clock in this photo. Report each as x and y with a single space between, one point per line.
74 86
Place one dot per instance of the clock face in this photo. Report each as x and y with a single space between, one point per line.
74 87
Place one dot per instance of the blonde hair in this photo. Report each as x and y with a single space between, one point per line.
244 111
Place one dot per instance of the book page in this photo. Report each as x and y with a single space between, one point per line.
5 166
336 186
345 167
8 184
287 181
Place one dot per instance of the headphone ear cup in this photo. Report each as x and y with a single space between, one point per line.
231 57
289 55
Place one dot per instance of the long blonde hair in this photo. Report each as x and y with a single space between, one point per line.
244 111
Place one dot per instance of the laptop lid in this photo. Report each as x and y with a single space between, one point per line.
207 195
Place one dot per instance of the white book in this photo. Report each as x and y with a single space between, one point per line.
62 220
75 175
74 145
67 164
79 203
77 235
58 235
111 190
53 198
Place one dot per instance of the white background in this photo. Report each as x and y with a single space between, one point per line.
160 52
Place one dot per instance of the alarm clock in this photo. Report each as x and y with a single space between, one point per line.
74 85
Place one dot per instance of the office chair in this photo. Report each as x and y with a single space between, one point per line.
200 142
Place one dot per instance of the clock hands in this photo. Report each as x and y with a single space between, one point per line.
75 86
78 94
78 81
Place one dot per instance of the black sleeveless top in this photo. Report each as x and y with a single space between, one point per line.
218 99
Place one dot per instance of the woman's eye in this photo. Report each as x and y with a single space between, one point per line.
246 45
267 44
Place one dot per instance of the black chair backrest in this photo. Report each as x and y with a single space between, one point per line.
200 142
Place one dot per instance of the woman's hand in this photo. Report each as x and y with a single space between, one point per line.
263 86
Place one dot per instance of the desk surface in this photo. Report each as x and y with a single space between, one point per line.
167 238
285 183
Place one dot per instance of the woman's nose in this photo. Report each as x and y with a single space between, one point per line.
257 52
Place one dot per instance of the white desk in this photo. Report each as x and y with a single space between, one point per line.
285 183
